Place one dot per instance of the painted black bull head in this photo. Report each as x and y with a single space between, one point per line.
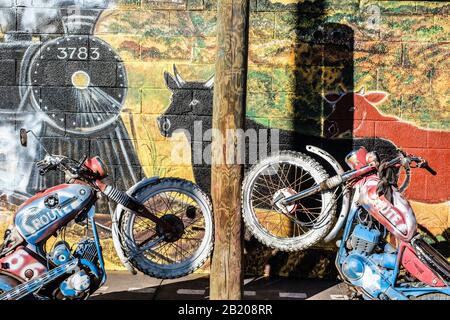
191 101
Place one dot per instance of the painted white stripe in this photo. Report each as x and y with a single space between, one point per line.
249 293
133 289
295 295
190 291
143 290
339 297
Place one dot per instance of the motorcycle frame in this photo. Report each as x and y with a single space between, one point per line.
91 221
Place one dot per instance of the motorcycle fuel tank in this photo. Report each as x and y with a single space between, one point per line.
40 216
398 217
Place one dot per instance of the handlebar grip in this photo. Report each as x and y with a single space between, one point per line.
41 163
429 169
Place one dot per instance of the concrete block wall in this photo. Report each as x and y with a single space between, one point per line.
88 77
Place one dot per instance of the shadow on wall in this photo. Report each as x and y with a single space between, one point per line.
323 54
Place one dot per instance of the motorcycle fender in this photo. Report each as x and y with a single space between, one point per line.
117 216
342 217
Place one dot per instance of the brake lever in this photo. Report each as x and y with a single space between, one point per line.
41 163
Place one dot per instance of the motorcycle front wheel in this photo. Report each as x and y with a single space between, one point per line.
433 296
295 227
188 209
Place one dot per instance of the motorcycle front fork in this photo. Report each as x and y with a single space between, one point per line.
91 221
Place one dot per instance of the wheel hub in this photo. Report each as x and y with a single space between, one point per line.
282 194
177 228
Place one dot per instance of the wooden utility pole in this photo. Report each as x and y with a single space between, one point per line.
230 85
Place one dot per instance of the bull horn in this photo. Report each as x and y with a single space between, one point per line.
178 78
362 91
210 83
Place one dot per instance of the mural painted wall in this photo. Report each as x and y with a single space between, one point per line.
98 77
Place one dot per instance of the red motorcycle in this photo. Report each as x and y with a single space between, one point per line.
290 202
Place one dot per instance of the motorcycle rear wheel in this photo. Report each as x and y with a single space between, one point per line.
181 203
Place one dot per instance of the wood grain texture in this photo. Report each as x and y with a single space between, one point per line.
226 178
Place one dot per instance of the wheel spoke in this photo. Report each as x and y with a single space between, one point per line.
290 177
171 205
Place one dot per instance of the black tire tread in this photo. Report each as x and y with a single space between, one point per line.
433 296
154 272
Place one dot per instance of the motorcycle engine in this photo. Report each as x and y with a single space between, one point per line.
76 286
367 241
84 281
60 253
367 264
363 239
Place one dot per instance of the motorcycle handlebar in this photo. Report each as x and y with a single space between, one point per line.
405 160
45 165
53 162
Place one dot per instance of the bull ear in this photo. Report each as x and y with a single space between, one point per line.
171 83
376 97
178 77
332 98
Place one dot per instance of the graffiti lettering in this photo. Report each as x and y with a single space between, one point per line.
44 219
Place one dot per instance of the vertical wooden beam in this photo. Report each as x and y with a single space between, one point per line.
230 85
